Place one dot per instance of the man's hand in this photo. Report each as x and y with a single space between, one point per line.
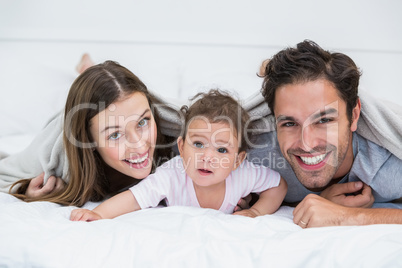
316 211
37 189
350 194
84 215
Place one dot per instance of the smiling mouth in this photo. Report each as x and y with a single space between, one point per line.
314 160
137 160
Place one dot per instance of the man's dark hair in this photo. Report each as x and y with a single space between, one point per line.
309 62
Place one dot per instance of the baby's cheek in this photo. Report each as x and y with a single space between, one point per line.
226 162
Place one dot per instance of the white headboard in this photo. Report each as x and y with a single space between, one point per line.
179 47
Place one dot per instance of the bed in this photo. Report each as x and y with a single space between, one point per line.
41 235
36 70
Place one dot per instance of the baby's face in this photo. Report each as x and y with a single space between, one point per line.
210 152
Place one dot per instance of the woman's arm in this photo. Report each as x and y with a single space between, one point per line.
269 201
117 205
44 154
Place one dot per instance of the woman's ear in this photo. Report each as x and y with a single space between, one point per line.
355 116
239 159
180 144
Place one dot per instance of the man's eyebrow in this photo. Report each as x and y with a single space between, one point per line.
117 126
284 118
325 112
312 117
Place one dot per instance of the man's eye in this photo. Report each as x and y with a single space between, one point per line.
143 122
289 124
222 150
198 145
114 136
324 120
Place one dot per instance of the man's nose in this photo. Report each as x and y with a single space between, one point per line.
308 138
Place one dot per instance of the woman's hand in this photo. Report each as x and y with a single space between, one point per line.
84 215
37 189
243 203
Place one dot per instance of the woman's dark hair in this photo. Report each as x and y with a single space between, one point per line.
92 92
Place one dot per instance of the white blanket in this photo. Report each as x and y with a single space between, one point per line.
380 122
40 235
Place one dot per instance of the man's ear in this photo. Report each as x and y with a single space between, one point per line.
239 159
355 115
180 144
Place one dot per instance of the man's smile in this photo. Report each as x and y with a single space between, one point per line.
312 162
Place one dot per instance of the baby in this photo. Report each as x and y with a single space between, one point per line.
211 171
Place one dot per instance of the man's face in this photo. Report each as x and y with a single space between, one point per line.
314 132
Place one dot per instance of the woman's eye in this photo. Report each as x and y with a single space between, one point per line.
198 145
114 136
143 122
222 150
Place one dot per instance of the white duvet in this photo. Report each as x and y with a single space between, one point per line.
40 234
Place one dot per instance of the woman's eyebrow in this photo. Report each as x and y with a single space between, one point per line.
146 110
117 126
109 127
142 115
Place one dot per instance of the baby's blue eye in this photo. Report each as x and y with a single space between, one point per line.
198 145
114 136
143 122
222 150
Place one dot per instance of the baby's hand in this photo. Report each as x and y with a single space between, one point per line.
84 215
252 213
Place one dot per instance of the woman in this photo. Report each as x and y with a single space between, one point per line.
105 99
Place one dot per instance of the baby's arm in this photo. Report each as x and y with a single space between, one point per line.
269 201
117 205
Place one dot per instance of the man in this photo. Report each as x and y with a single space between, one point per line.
337 174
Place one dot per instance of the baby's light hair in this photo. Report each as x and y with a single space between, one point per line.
219 106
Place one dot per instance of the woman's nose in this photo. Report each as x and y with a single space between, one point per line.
135 139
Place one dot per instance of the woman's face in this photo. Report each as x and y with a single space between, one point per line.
125 135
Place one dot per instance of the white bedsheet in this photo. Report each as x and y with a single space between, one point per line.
41 235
